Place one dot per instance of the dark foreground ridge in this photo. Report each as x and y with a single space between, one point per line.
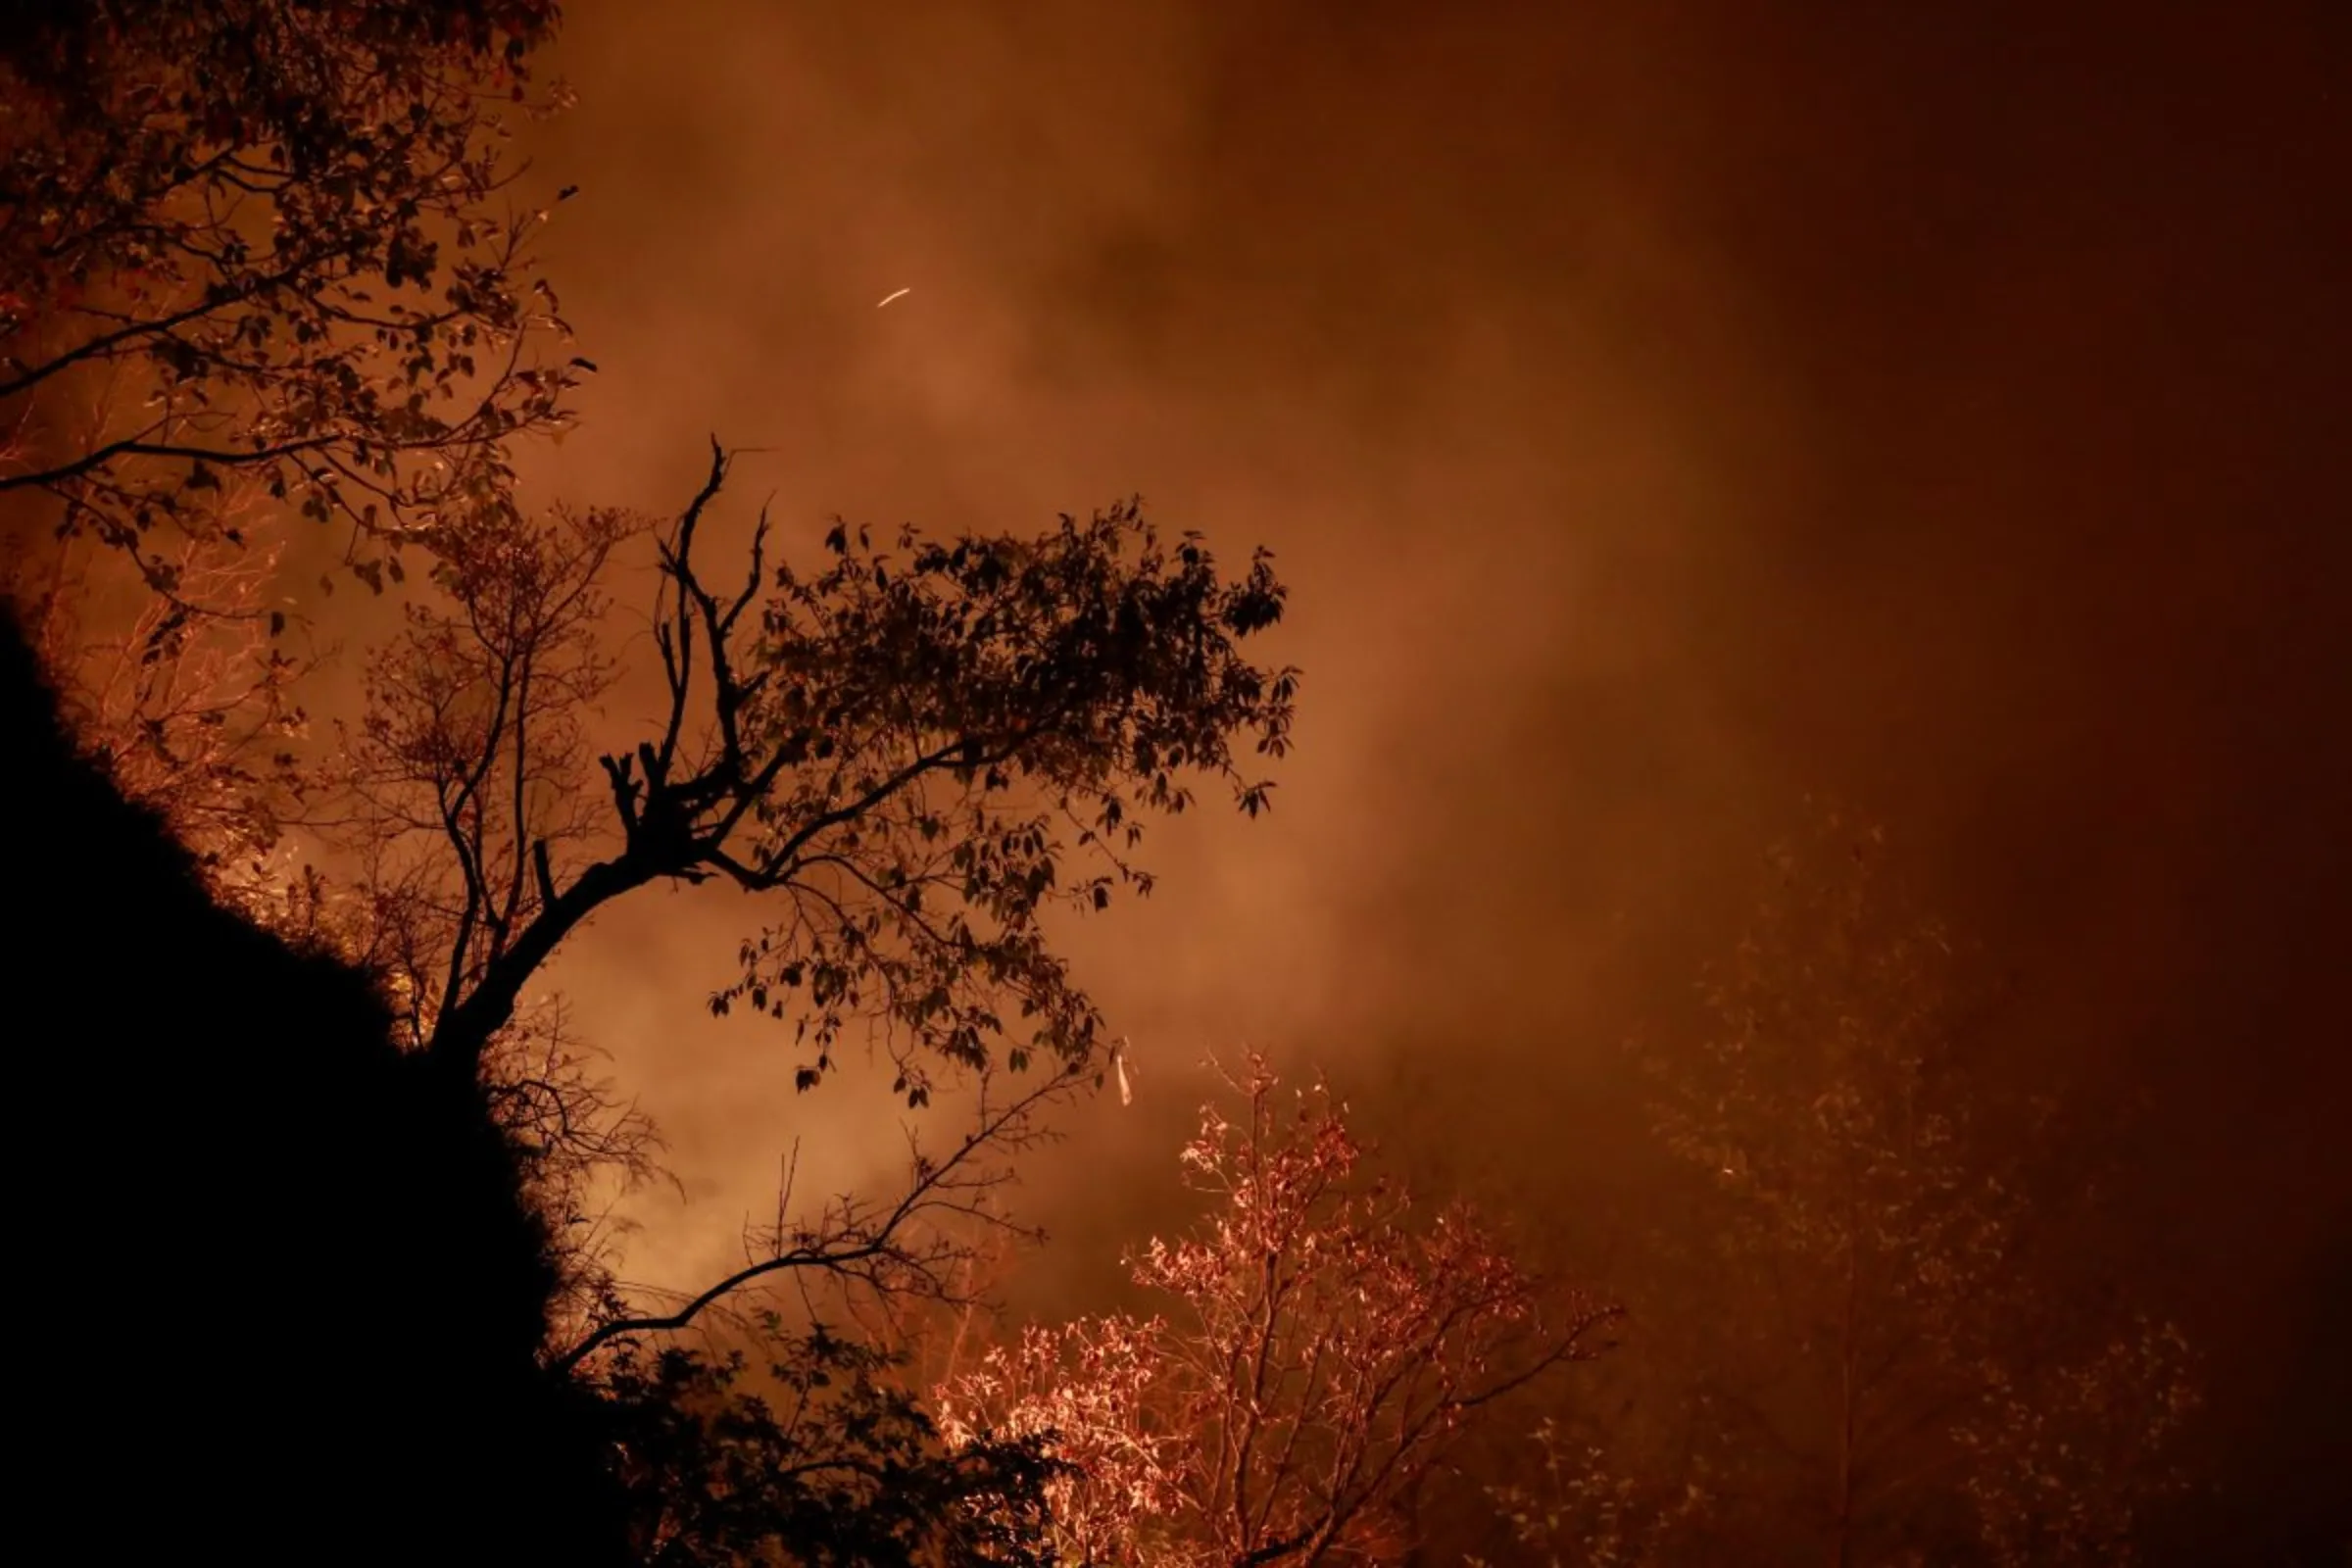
286 1295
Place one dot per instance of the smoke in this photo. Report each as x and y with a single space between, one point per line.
1658 418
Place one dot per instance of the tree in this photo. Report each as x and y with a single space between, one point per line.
837 1464
254 240
1325 1349
1885 1368
912 755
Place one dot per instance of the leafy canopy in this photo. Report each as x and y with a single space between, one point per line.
959 735
256 238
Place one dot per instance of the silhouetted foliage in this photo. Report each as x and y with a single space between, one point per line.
914 751
824 1462
911 753
254 239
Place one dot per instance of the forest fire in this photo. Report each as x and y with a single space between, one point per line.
670 956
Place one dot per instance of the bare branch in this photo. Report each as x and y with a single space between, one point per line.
873 1247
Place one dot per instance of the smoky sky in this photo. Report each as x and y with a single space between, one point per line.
1662 414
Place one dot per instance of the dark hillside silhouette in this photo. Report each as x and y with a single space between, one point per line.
307 1296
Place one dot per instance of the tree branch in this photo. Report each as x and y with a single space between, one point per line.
835 1254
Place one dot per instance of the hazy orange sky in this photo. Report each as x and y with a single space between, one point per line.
1661 413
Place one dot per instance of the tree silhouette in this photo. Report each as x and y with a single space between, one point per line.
834 1463
255 240
911 754
1326 1349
